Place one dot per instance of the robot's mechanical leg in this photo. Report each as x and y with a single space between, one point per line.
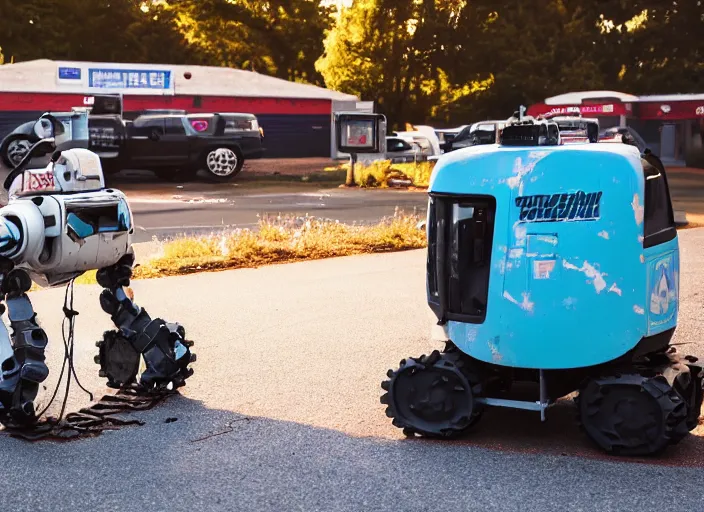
23 362
163 346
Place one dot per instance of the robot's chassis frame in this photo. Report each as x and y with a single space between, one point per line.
637 406
163 346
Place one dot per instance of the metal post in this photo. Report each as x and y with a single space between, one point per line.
350 171
543 396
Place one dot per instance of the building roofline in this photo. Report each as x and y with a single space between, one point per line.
41 77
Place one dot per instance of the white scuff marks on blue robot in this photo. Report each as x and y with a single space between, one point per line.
597 278
494 347
520 169
638 310
552 240
516 253
615 289
603 234
471 332
525 305
638 209
519 232
570 303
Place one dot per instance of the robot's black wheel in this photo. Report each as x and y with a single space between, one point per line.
432 396
694 394
118 360
633 414
683 374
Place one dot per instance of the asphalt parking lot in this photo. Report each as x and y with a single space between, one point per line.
283 411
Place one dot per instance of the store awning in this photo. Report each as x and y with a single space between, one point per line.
670 110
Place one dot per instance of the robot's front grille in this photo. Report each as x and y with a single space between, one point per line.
460 237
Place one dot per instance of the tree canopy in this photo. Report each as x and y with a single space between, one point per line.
439 61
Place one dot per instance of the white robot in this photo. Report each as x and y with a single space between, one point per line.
61 221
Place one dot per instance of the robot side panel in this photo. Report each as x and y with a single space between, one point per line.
568 272
60 236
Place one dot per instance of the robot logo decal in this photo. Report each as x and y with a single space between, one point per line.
578 206
663 293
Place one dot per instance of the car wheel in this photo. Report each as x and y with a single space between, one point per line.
16 149
223 164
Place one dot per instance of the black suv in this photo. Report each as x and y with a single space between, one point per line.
171 143
177 146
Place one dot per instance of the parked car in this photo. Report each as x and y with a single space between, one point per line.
410 146
485 132
617 134
577 129
14 147
177 146
105 125
446 136
172 143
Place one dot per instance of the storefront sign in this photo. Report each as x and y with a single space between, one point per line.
129 79
606 109
69 73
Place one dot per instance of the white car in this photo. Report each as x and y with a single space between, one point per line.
410 146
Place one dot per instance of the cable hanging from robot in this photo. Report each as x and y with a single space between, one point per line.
61 221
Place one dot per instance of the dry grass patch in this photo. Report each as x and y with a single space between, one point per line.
380 173
284 240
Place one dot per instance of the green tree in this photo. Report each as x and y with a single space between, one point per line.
277 37
399 53
655 46
99 30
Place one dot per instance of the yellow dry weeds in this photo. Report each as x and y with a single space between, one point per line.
283 240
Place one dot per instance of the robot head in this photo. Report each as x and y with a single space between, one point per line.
78 170
73 170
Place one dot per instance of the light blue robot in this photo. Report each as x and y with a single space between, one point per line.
555 265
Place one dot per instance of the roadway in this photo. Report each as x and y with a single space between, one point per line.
166 210
283 410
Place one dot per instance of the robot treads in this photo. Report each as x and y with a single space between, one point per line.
60 222
553 266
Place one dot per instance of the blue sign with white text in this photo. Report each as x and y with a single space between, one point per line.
129 79
69 73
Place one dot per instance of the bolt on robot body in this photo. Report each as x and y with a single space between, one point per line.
61 221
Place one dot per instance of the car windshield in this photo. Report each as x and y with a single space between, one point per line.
482 128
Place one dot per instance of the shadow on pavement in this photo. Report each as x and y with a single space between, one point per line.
190 457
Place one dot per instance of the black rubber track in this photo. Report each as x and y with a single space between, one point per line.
640 414
683 374
433 396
